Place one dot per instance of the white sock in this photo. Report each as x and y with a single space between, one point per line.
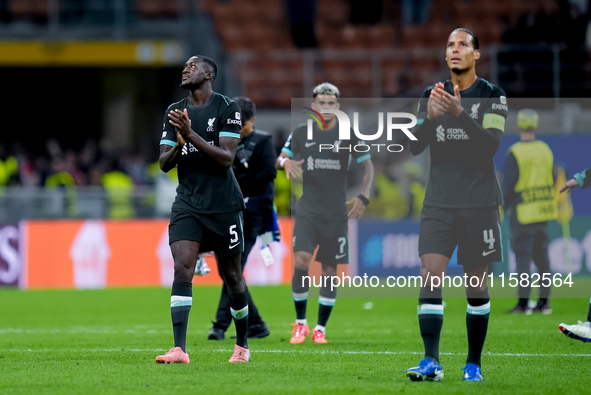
302 322
320 328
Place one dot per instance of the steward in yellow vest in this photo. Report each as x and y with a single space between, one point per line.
529 200
119 187
62 187
8 171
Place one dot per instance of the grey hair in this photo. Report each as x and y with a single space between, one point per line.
326 88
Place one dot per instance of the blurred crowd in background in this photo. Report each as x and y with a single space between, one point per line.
311 24
398 191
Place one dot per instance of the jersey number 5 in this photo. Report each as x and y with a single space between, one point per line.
233 234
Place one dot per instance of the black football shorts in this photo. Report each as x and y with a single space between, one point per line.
222 233
331 237
475 231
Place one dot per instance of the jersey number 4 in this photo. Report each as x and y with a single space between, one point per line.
489 238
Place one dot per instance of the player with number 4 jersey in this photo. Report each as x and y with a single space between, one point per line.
462 120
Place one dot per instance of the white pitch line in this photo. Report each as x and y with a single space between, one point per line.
165 330
335 352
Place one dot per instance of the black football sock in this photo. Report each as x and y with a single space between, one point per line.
299 293
430 312
589 312
239 310
326 302
181 300
477 315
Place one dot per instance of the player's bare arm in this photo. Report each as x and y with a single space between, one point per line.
169 155
292 168
570 184
222 154
359 206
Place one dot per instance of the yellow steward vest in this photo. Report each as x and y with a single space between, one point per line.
535 184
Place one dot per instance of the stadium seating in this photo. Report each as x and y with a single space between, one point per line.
158 8
268 29
35 10
261 30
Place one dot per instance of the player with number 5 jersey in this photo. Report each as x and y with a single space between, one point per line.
200 137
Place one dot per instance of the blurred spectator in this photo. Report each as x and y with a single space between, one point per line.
572 24
398 193
120 189
572 30
302 18
5 15
60 182
165 185
9 171
72 166
546 27
415 11
88 158
414 189
28 172
284 199
536 25
366 11
386 202
560 21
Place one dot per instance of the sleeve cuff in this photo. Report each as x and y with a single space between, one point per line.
287 151
230 134
363 158
168 142
580 178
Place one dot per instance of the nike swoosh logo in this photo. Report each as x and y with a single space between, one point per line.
339 256
309 144
232 246
485 253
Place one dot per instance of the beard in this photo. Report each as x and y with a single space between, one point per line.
457 70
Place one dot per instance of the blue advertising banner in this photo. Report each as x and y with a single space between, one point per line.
391 249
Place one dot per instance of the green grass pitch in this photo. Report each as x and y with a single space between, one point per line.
104 342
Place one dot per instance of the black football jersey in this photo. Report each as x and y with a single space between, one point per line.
204 185
324 170
462 172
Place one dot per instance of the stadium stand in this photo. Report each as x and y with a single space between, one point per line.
260 30
268 30
253 43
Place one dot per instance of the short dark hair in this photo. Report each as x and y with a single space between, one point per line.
475 42
211 63
247 107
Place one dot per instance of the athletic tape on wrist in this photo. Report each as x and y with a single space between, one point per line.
363 199
282 161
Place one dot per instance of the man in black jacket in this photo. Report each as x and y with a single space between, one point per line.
254 168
